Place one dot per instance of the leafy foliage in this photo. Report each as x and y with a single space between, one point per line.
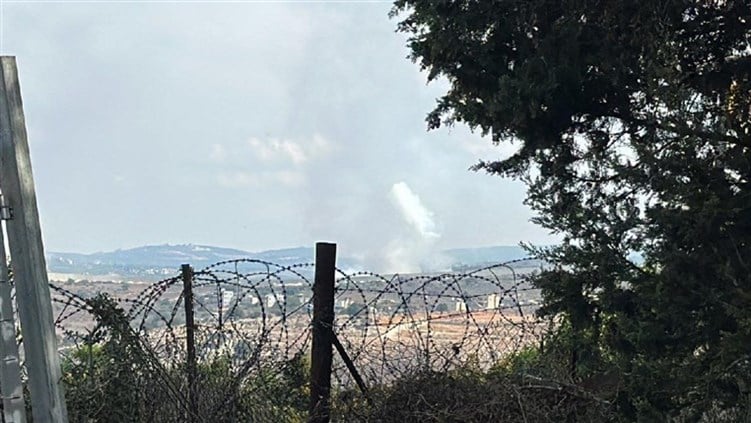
104 376
633 127
113 377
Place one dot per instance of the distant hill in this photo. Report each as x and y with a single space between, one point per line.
481 255
158 261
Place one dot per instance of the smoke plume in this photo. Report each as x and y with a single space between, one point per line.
415 250
413 211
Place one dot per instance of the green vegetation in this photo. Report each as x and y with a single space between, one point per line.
104 376
113 377
528 386
468 395
632 122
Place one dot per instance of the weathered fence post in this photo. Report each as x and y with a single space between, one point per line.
14 409
323 321
27 254
190 340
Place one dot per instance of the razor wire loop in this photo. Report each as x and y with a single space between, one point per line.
257 315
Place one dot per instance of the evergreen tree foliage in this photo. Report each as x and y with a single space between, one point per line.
632 123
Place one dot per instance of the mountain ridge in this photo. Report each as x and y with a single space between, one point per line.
166 259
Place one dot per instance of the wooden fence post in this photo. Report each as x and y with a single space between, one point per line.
323 322
27 254
190 340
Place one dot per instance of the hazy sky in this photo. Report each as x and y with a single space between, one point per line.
247 125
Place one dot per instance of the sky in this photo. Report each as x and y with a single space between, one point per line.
252 125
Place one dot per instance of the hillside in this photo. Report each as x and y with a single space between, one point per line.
157 261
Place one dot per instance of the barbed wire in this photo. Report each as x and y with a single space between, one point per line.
253 331
435 322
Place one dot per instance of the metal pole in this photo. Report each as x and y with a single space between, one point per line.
14 409
27 254
323 322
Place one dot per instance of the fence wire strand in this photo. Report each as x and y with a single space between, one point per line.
253 335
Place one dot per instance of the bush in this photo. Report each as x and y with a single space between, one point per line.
470 395
113 377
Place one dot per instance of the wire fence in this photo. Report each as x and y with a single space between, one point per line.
396 324
252 338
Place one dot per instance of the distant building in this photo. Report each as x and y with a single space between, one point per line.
494 301
461 306
271 300
227 296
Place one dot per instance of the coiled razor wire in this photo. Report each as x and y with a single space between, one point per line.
254 318
435 322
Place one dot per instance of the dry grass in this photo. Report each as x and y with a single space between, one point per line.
468 395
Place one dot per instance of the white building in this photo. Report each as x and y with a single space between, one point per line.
227 296
270 300
494 301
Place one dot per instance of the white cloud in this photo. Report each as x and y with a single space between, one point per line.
237 179
289 178
268 162
484 148
218 153
287 150
245 179
293 151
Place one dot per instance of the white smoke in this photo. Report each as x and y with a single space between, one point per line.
413 211
413 251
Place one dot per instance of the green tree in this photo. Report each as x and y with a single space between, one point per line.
632 123
105 376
